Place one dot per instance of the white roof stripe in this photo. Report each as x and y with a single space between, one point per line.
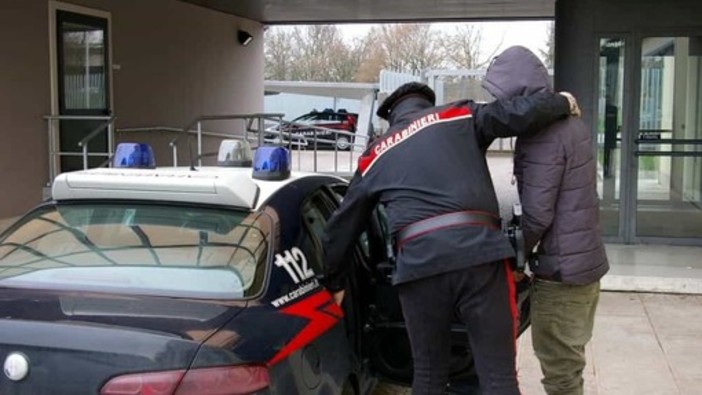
230 186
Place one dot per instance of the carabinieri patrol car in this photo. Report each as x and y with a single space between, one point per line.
153 281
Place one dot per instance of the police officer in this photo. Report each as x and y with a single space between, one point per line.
430 173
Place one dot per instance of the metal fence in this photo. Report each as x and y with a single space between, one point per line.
449 85
389 80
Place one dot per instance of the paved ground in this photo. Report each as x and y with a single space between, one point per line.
644 344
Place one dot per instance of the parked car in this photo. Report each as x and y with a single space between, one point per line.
198 281
324 125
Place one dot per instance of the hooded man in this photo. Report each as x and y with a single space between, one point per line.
556 175
430 173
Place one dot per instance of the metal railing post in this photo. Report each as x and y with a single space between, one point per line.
336 153
260 131
175 155
199 143
315 149
85 156
110 142
299 155
52 170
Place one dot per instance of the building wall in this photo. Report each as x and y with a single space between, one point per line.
24 99
173 61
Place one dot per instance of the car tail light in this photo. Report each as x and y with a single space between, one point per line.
154 383
225 380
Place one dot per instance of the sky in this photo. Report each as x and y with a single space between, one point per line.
531 34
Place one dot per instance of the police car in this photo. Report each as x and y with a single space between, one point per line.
319 129
141 280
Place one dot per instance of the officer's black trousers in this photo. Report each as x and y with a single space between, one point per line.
482 297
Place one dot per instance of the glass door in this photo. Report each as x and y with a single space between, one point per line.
609 134
668 147
83 83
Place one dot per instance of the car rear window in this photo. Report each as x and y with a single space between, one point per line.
165 250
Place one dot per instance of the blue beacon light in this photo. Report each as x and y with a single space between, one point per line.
271 163
134 156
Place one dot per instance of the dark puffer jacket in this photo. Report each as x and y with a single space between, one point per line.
556 173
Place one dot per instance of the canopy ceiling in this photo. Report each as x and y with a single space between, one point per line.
372 11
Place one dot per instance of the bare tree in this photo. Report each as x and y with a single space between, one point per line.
278 54
319 53
464 48
345 59
549 53
371 58
410 47
322 55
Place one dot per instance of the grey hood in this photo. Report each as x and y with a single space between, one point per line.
516 72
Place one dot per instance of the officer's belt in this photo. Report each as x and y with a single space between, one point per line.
458 218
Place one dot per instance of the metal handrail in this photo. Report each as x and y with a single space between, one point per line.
83 143
674 154
285 135
197 124
172 130
670 153
78 117
110 140
173 142
254 123
315 140
669 141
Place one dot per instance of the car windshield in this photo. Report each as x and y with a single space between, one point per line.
144 249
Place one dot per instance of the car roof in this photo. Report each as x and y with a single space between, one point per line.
327 111
226 186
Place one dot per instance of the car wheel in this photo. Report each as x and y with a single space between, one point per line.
343 143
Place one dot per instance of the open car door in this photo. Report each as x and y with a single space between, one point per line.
386 339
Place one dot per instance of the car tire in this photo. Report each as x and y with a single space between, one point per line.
343 143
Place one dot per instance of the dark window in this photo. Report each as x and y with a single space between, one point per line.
316 210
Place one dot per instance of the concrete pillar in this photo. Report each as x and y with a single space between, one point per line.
575 52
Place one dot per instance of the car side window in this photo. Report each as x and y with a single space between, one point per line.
385 235
363 241
316 210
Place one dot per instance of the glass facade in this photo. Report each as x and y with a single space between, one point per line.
669 141
609 131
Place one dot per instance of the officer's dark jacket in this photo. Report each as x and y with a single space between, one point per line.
556 171
430 162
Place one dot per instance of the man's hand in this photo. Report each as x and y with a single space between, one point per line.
518 275
339 297
574 108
